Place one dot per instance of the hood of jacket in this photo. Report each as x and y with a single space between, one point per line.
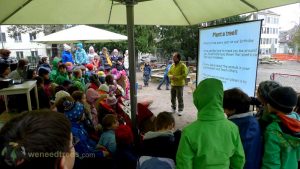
208 99
288 126
154 134
55 63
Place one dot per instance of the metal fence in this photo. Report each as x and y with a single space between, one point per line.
287 80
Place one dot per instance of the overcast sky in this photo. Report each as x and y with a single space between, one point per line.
289 15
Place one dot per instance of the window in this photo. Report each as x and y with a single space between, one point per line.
2 37
34 53
275 41
267 30
32 36
271 20
268 19
17 37
20 54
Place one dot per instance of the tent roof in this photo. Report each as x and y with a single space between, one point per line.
150 12
81 33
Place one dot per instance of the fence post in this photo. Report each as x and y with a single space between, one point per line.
272 76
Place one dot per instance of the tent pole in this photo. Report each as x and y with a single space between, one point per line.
1 38
132 64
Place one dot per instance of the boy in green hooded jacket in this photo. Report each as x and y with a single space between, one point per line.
55 63
212 141
282 135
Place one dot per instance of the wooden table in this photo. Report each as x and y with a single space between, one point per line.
23 88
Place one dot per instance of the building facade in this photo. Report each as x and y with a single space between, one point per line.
269 40
21 45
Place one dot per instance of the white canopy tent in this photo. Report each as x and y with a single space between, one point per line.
81 33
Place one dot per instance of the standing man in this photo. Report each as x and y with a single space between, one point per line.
177 74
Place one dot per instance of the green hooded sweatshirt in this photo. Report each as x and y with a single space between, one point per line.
282 150
212 141
61 77
54 70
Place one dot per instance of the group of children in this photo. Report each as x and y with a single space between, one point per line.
96 120
95 102
268 139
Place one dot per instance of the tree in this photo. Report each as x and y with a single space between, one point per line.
185 39
295 42
13 29
144 37
178 38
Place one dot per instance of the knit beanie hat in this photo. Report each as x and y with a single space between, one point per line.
114 71
67 82
111 100
101 74
283 99
69 64
265 87
73 110
90 67
123 73
124 135
60 95
67 47
79 45
143 113
104 87
115 50
43 71
68 105
92 95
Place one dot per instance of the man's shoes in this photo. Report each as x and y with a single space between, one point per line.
158 88
180 113
174 111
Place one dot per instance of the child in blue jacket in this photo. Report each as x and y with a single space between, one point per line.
147 73
236 105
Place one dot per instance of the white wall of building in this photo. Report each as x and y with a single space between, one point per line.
269 42
26 46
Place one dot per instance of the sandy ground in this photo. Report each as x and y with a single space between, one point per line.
162 101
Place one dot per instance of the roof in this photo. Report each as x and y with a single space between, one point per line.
268 12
